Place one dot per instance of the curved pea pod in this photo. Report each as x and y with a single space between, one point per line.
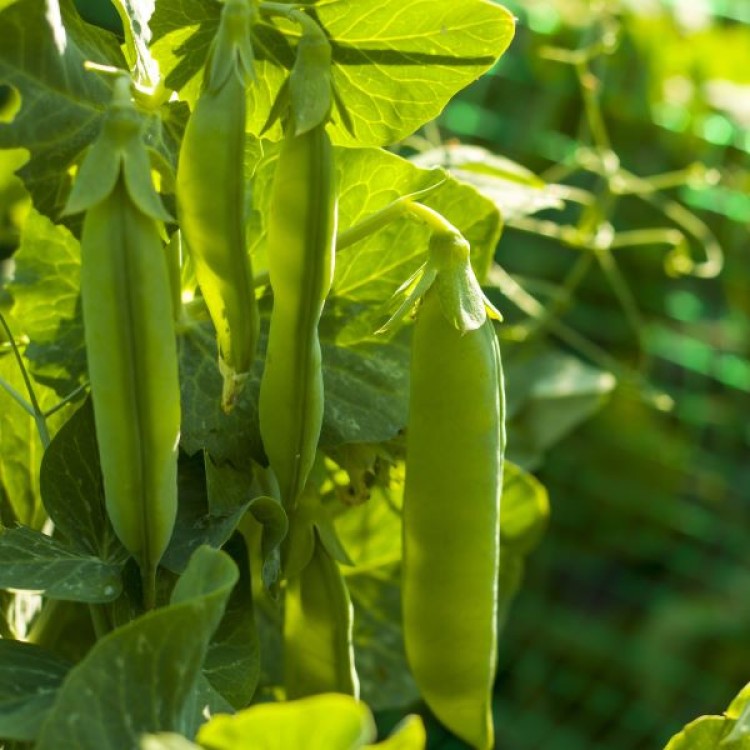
455 446
130 338
211 198
318 653
301 236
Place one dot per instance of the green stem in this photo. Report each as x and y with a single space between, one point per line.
562 299
370 224
70 397
41 423
436 222
622 291
17 397
148 583
99 620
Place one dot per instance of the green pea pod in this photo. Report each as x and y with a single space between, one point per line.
211 198
130 336
318 655
455 446
301 236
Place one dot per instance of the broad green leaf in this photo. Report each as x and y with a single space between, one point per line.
140 677
197 522
371 532
728 732
739 709
515 190
369 272
324 722
42 57
524 510
706 733
408 735
550 392
231 490
45 290
20 453
233 660
72 489
35 562
374 268
204 700
365 388
29 679
396 63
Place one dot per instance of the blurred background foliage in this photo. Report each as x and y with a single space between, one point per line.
635 609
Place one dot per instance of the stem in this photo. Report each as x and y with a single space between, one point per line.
371 224
622 291
572 281
173 252
148 583
41 424
436 222
17 397
70 397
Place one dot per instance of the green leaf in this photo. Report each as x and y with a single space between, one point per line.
198 522
72 489
524 510
233 661
396 63
20 454
140 677
42 57
366 394
323 722
45 290
408 735
374 268
371 532
739 709
550 392
230 490
29 679
515 190
35 562
705 733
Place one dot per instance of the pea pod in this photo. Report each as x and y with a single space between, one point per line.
301 232
130 337
301 236
211 198
455 446
318 655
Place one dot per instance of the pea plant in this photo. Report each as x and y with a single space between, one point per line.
254 419
231 263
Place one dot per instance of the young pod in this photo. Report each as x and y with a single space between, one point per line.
318 654
301 236
455 446
130 336
211 198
